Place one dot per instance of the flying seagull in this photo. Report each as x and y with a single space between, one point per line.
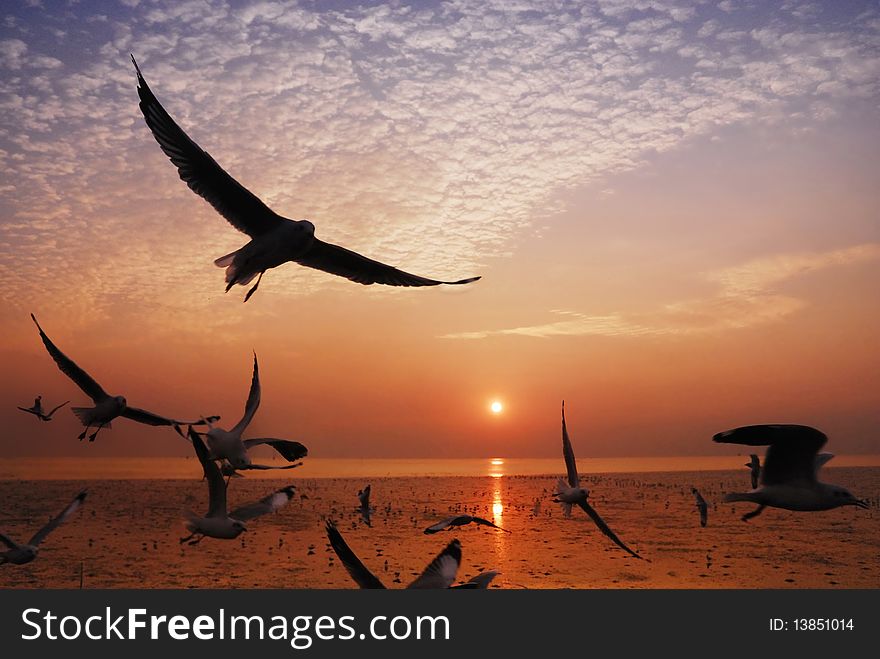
440 573
227 445
461 520
571 492
37 409
789 475
364 509
702 506
20 554
106 407
275 240
754 465
218 523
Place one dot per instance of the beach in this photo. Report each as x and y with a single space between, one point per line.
127 533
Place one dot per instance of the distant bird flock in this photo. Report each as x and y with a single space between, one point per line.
788 478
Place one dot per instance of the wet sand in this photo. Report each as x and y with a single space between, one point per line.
126 535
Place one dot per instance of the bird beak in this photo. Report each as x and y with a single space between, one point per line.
860 503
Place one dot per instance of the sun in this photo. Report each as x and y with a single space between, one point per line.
497 407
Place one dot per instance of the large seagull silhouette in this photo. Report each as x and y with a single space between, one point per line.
275 240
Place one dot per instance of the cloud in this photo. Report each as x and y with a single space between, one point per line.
431 136
747 295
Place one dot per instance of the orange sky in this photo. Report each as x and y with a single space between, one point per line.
708 261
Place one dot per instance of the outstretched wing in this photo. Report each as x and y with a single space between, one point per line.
29 411
570 465
480 581
345 263
278 499
600 523
358 571
288 449
54 523
148 418
486 522
253 401
241 208
791 456
9 542
216 484
80 378
441 525
442 570
55 409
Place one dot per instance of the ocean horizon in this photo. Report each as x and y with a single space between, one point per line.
140 468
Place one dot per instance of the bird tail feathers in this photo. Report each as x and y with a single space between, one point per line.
86 416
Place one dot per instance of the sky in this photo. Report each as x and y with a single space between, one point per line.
674 208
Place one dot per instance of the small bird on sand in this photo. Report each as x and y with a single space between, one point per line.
364 509
218 523
789 475
20 554
754 465
37 409
461 520
702 506
275 240
106 407
571 492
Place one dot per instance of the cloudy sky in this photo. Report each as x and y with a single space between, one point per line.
675 208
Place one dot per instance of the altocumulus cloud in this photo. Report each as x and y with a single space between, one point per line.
434 134
747 295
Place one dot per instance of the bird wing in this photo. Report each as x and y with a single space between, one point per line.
822 459
345 263
241 208
600 523
480 581
264 467
253 401
80 378
266 505
791 456
570 465
9 542
55 409
29 411
441 525
288 449
216 484
442 570
486 522
148 418
40 535
358 571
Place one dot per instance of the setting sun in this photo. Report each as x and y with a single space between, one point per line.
496 407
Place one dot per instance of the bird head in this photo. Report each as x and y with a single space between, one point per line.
843 497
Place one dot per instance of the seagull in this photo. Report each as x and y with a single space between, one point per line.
228 446
37 409
791 465
275 240
20 554
702 506
106 407
461 520
365 510
440 573
218 523
571 492
754 465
